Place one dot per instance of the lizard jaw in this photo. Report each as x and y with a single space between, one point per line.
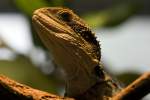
48 22
55 28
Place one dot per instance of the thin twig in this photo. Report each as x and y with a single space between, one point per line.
136 90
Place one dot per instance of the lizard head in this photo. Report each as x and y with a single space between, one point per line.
65 24
71 42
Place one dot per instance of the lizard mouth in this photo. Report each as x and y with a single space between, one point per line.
48 22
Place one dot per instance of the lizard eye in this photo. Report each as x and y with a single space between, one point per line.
65 16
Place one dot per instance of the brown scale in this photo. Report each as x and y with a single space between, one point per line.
88 36
83 31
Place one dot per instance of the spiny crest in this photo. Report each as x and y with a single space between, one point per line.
88 36
80 27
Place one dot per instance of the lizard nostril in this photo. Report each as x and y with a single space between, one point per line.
65 16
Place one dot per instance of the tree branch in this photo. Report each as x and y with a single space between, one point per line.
11 90
136 90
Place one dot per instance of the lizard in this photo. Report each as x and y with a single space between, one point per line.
76 50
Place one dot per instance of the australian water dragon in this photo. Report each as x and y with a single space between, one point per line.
74 48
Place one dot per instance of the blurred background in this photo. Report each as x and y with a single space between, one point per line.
122 27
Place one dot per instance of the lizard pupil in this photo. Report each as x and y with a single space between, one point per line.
65 16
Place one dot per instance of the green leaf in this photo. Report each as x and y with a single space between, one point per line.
58 2
112 16
22 70
28 6
128 77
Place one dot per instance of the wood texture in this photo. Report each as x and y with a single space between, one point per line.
12 90
136 90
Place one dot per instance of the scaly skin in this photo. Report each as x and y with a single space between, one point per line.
74 48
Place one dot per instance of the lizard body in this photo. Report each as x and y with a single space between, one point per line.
76 50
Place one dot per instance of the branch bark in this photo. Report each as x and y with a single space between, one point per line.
12 90
136 90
